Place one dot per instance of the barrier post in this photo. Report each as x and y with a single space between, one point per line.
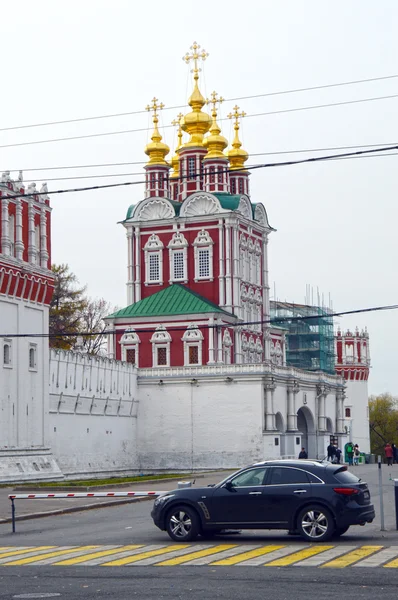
13 514
396 501
381 495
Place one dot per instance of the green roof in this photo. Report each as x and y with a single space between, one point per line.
227 201
173 300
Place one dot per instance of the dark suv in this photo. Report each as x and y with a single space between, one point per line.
317 500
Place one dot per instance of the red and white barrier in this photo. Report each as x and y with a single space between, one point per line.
83 495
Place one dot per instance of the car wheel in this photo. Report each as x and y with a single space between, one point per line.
182 524
341 531
315 524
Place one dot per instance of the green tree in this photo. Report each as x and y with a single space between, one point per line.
66 308
383 422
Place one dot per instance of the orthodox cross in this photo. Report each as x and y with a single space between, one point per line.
236 115
195 56
214 101
154 107
175 122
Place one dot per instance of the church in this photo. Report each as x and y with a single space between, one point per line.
196 375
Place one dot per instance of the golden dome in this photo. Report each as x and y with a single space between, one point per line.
197 122
156 150
237 156
175 161
215 143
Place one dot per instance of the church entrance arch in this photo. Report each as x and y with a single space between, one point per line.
280 425
306 425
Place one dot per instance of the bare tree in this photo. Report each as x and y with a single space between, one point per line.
92 322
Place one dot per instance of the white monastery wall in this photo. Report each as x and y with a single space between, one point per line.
93 414
357 400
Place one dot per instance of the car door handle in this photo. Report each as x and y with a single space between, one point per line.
255 493
300 492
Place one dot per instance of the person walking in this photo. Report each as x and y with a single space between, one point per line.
338 455
388 451
394 453
350 452
357 454
303 453
331 450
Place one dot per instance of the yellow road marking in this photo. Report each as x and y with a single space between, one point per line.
297 556
179 560
32 559
131 559
25 551
352 557
233 560
80 559
392 564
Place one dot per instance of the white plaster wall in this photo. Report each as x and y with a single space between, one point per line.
358 425
93 414
211 424
23 391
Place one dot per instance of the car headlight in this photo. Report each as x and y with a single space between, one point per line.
162 499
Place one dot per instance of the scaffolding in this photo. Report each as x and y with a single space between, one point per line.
309 341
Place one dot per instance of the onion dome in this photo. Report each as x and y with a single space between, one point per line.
214 142
156 150
237 156
197 122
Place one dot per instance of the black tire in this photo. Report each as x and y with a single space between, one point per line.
341 531
315 524
182 523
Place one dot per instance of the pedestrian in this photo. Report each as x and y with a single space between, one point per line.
389 454
357 454
303 453
331 450
338 455
394 453
350 452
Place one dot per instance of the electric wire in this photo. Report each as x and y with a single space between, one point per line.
136 112
238 323
141 129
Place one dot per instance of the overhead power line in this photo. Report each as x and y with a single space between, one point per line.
188 176
264 95
143 162
141 129
210 326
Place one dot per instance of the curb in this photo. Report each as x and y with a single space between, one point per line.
72 509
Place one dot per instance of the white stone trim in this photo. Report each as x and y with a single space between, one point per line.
153 209
192 337
203 241
200 203
178 244
153 247
160 339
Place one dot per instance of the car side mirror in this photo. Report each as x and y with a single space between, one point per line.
229 486
211 484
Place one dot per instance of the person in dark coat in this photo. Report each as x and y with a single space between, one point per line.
303 453
331 452
394 453
338 455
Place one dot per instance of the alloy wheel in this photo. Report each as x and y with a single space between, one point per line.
314 524
180 524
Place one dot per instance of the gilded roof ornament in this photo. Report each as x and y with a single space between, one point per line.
197 122
177 122
215 143
237 156
156 150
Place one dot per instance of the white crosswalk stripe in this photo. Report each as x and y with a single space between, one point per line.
320 559
380 558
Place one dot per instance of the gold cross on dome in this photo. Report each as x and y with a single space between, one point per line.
177 120
154 107
214 100
195 56
236 115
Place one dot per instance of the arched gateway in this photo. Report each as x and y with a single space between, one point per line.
306 426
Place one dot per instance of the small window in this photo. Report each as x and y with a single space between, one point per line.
162 357
178 265
313 478
154 266
191 168
153 180
344 476
241 186
348 413
284 475
212 175
193 355
7 354
32 356
161 180
276 441
233 186
130 355
220 174
204 263
250 478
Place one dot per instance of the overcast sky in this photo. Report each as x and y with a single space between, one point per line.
336 222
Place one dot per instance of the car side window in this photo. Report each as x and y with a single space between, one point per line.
286 475
250 478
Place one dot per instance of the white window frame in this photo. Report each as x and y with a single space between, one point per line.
130 341
7 342
153 247
32 351
203 241
160 339
191 160
192 337
178 244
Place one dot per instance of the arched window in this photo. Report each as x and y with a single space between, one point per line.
348 413
32 356
178 257
153 260
193 340
7 354
203 245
